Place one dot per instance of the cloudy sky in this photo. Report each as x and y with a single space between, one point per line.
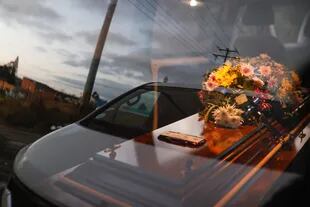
55 40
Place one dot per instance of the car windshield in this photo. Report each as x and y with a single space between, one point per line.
192 102
173 41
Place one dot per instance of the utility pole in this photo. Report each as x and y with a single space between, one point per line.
227 54
88 88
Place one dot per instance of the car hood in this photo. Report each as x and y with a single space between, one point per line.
77 166
36 164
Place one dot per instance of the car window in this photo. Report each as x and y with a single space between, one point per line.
141 105
134 111
132 115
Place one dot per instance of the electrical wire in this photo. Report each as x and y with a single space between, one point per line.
217 24
177 26
206 32
181 39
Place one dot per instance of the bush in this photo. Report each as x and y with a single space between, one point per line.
36 115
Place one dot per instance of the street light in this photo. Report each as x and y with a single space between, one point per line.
193 3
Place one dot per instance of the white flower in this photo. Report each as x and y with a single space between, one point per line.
228 116
235 121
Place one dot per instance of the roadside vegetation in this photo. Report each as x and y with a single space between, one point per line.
37 115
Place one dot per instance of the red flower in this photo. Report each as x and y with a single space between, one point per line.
264 106
201 95
263 95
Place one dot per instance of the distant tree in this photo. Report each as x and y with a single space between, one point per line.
8 71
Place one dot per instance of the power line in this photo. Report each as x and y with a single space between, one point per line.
181 40
207 32
177 26
217 23
208 24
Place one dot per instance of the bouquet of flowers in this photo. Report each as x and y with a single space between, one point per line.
223 90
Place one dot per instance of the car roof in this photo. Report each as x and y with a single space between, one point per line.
174 85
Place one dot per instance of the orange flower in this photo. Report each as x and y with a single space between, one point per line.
265 70
212 77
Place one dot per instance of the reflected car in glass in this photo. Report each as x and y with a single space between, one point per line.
144 149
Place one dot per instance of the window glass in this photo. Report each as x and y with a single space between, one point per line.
133 115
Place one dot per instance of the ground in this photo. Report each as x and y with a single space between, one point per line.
12 140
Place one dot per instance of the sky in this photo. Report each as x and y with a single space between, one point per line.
55 41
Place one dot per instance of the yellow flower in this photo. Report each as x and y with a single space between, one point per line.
228 80
226 74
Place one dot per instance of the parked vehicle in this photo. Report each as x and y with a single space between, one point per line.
115 156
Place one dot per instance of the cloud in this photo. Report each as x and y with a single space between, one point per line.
128 66
108 89
40 49
34 12
74 83
52 36
64 53
91 37
116 73
135 61
75 60
111 89
120 39
81 63
97 5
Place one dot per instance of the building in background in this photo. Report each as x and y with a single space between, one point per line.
5 86
34 87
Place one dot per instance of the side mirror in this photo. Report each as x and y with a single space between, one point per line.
53 128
